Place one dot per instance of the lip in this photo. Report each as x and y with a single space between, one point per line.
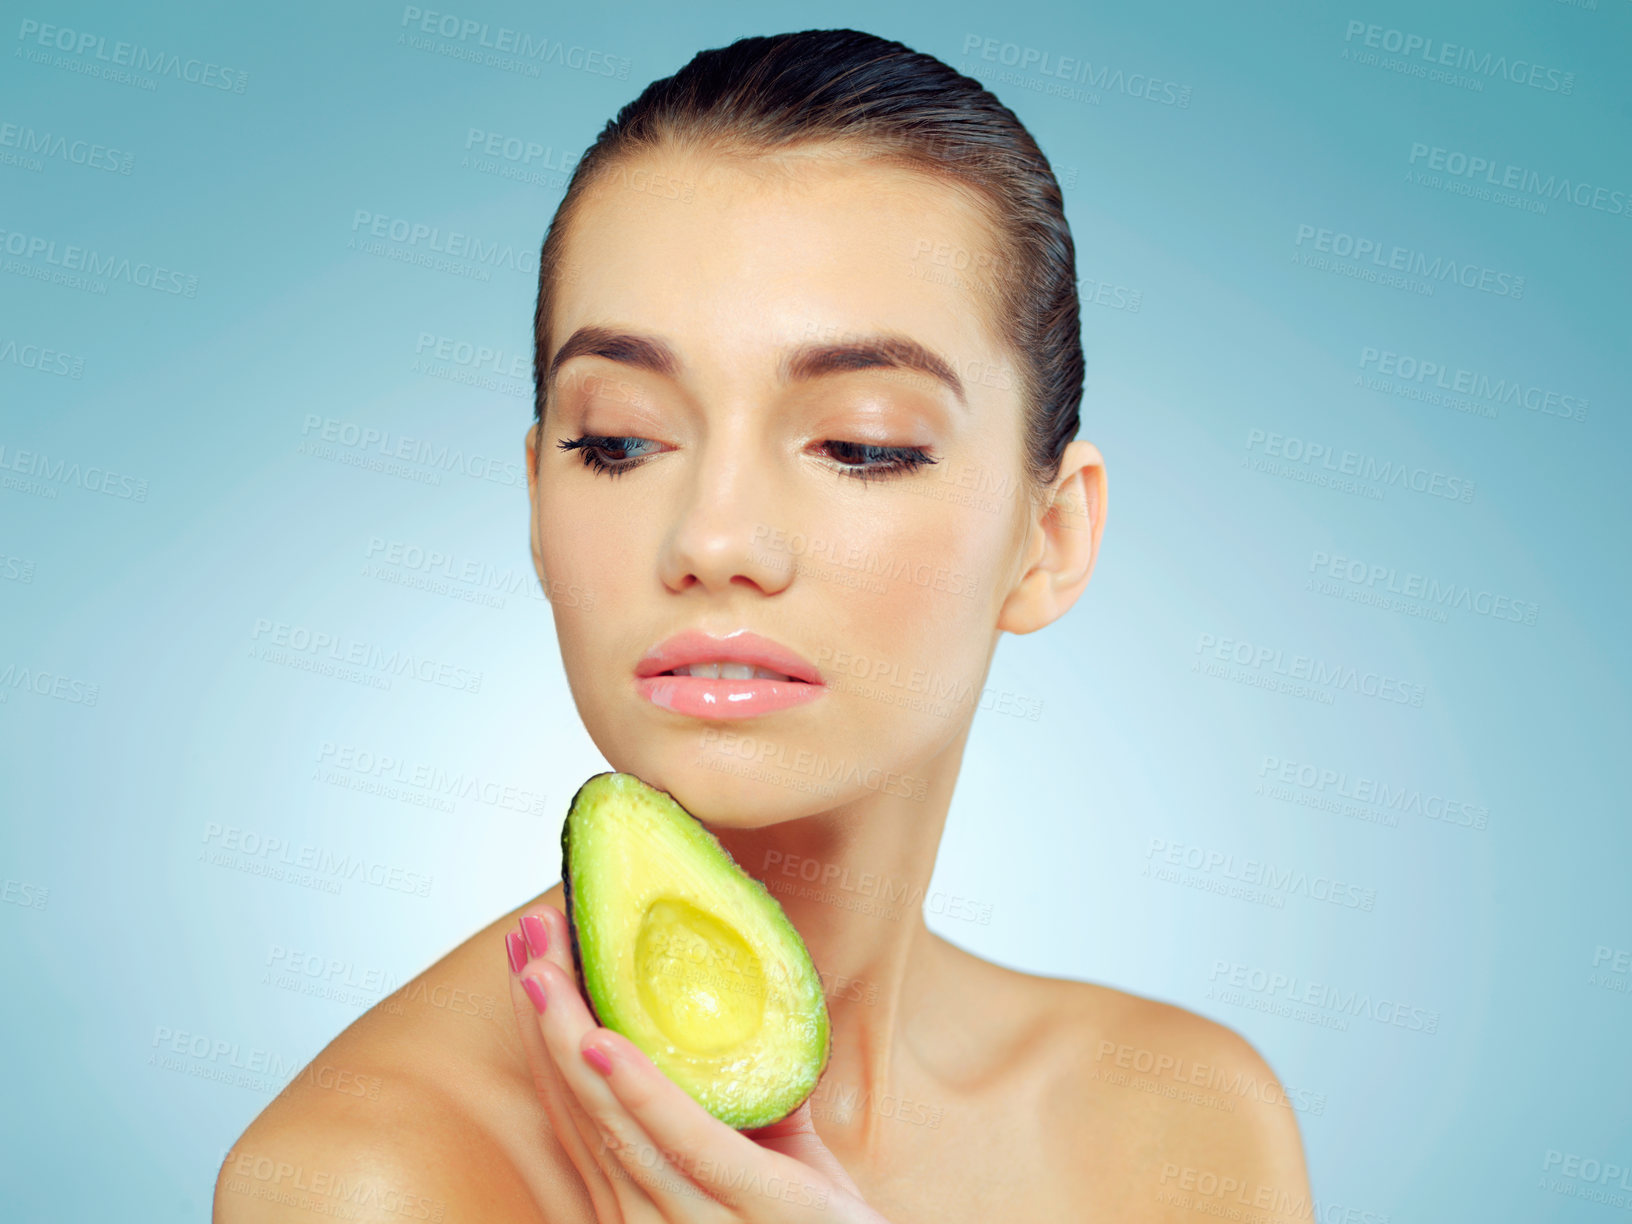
703 697
692 646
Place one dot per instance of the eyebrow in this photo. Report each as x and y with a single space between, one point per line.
807 361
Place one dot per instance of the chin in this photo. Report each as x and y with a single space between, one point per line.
727 793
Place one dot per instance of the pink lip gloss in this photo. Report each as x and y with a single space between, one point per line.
706 697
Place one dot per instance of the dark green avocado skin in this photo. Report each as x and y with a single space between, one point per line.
566 893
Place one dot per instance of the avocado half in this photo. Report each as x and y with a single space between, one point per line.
688 956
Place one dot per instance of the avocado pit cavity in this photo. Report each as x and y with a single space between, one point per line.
698 979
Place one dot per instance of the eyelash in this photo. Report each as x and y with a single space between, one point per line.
887 460
591 444
896 460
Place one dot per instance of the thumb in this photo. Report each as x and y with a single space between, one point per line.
795 1136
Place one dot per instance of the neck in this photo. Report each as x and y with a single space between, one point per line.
852 881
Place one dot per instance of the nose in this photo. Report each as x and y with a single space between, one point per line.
719 537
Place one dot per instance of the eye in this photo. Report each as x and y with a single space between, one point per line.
612 455
864 461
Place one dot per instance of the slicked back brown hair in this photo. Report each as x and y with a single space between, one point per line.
768 94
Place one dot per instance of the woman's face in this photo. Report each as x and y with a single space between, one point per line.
742 430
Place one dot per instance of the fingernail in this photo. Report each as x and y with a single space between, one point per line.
535 992
538 936
597 1058
517 951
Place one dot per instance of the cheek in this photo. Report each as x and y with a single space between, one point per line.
581 537
934 574
578 544
960 546
917 610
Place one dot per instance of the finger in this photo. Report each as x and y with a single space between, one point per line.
533 931
625 1156
548 942
795 1136
572 1130
619 1143
723 1162
625 1143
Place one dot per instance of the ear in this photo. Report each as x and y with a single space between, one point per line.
531 461
1067 521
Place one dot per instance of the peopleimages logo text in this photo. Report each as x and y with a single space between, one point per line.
453 244
1105 78
73 474
1416 263
1441 593
134 55
1319 672
31 143
335 649
1517 178
1361 465
1464 59
1356 1003
1324 783
434 456
507 41
74 258
1508 392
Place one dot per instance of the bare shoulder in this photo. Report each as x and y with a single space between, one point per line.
1202 1117
1180 1112
418 1159
422 1109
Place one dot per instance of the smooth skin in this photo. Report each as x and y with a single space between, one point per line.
958 1090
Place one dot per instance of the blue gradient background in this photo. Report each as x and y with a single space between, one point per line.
1196 208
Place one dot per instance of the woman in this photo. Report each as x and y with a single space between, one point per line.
808 369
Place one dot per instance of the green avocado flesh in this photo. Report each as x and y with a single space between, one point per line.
688 956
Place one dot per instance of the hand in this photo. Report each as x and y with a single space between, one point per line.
645 1150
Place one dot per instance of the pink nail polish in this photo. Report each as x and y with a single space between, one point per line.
597 1058
538 936
535 992
517 950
